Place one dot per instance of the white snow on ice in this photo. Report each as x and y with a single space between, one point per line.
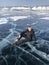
46 18
14 18
3 21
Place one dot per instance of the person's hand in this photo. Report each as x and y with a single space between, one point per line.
16 40
19 36
36 42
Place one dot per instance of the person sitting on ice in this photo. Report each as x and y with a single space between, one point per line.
28 34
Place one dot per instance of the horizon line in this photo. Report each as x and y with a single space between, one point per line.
24 6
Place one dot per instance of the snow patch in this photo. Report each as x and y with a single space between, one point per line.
15 18
3 20
42 13
46 18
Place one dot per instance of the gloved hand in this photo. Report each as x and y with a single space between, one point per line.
36 42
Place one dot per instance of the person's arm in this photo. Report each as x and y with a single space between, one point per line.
17 39
35 39
21 35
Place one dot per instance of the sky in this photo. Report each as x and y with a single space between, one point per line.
23 2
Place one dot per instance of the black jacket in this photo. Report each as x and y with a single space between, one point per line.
29 36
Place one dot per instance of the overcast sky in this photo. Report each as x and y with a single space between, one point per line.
23 2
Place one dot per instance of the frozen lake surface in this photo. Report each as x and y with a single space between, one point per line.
11 24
